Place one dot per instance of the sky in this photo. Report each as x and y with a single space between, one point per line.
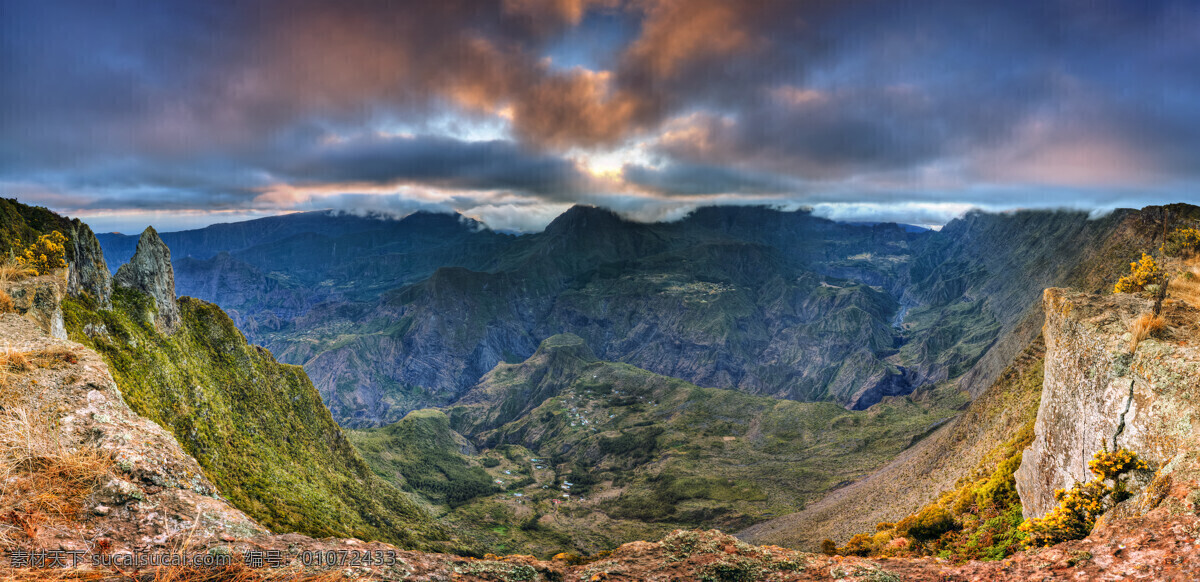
182 114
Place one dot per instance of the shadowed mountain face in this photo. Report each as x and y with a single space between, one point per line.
389 316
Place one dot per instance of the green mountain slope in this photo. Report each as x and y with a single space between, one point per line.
256 426
422 454
638 453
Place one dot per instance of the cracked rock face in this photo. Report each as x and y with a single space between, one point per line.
1097 395
150 272
88 272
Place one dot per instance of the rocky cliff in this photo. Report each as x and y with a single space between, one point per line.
150 272
87 273
1097 394
39 300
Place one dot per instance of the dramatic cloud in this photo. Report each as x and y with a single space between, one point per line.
513 109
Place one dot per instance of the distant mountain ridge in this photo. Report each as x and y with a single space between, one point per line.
411 313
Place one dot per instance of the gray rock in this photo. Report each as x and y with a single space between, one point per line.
150 272
40 300
1096 395
118 491
87 271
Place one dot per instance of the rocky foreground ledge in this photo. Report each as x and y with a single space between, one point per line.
86 478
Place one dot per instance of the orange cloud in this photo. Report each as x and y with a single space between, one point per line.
568 11
676 32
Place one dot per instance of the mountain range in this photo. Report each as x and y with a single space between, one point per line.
389 316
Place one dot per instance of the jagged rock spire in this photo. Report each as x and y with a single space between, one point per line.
150 272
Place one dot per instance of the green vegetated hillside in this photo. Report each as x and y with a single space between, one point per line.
422 454
639 454
257 427
970 445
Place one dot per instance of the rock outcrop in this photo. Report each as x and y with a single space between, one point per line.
40 300
1098 395
150 272
87 270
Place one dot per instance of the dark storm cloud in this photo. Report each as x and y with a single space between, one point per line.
695 179
899 85
204 105
433 160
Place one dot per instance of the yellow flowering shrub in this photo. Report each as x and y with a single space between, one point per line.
1142 273
1108 465
1079 506
1184 241
47 253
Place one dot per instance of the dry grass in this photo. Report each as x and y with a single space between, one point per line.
11 270
41 481
53 357
1186 287
6 303
1146 325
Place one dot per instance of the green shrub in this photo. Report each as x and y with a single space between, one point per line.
928 524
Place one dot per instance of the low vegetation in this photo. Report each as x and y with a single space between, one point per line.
1183 242
419 453
1079 506
978 520
1143 273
